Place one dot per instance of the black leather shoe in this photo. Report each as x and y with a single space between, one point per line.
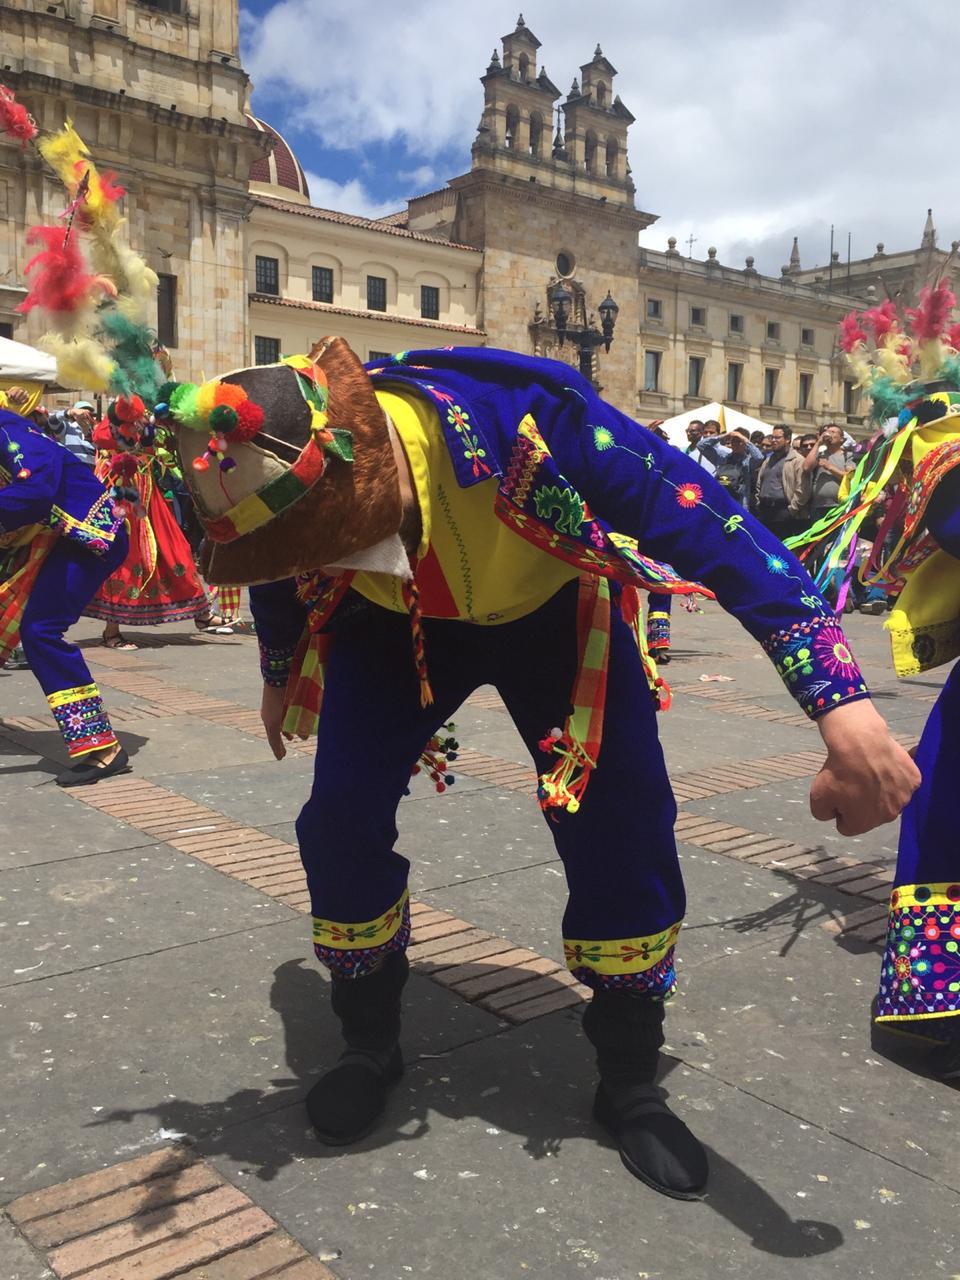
86 774
346 1103
655 1145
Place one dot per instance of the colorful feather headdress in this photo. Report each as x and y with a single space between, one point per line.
894 357
909 367
98 309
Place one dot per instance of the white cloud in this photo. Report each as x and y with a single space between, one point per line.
755 121
348 197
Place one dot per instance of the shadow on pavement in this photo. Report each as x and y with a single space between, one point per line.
529 1074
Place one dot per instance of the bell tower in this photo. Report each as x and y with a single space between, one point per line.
549 196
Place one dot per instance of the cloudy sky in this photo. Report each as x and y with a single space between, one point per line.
757 120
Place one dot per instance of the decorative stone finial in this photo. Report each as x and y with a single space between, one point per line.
712 254
879 253
929 240
520 22
598 52
574 89
794 257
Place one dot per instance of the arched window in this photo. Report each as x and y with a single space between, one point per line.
590 152
536 134
513 126
524 65
601 94
613 158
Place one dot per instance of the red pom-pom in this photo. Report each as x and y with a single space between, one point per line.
129 408
201 463
249 421
103 435
24 473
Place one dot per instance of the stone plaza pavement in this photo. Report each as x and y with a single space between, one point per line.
162 1015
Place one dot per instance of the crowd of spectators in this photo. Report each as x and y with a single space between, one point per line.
788 481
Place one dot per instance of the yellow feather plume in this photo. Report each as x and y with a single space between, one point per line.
81 362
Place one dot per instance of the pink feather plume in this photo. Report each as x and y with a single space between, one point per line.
60 280
15 120
953 337
929 320
851 333
881 321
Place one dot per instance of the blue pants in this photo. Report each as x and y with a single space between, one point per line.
920 973
626 897
68 580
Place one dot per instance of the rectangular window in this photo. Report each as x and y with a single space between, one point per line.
695 374
851 398
651 370
429 302
266 350
323 284
268 275
806 337
770 379
734 379
167 311
804 390
736 323
6 330
654 309
164 6
376 293
698 317
380 355
773 330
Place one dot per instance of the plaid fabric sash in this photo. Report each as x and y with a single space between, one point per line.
15 591
304 694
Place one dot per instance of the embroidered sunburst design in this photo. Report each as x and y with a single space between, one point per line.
689 495
777 564
603 439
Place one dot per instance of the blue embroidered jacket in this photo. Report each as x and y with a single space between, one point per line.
589 485
41 482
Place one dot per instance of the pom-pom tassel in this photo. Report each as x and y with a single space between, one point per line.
564 785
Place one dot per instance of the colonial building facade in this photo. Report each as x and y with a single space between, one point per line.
249 268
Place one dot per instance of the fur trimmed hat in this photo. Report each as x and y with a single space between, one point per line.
290 465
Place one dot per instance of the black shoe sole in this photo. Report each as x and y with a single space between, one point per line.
88 775
340 1140
606 1124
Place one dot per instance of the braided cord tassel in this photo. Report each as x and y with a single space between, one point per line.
411 598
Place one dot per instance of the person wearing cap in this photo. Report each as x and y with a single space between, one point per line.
467 516
73 428
62 537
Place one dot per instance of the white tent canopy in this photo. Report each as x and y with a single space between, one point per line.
676 428
17 360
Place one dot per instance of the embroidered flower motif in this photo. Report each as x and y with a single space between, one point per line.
603 439
459 419
831 649
777 564
689 495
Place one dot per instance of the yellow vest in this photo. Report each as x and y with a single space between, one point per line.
471 567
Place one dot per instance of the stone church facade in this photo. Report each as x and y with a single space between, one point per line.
220 207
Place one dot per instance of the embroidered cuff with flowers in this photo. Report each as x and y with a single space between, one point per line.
275 665
814 661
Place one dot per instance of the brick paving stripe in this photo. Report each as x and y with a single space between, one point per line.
164 1215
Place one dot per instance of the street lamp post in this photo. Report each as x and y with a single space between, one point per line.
585 337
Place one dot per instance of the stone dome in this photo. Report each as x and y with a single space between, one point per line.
280 173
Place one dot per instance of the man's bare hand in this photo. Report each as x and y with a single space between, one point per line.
271 713
867 777
17 395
